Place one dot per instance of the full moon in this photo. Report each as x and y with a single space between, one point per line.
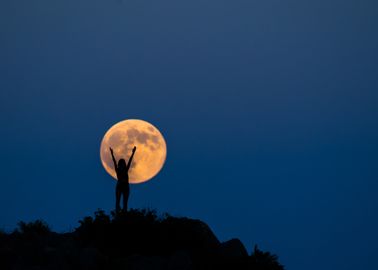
151 150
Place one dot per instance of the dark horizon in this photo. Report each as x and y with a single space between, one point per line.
269 110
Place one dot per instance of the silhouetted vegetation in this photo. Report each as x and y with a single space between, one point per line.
138 239
264 260
37 227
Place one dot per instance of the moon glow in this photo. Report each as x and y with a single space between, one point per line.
151 150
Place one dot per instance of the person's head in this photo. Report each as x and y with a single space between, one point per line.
121 164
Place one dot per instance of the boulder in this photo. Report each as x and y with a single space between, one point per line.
233 248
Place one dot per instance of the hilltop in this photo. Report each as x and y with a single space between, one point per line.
138 240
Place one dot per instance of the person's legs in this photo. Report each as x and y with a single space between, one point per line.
125 199
118 199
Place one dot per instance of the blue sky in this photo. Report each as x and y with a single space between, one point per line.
269 110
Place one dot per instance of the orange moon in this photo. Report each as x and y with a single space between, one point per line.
151 150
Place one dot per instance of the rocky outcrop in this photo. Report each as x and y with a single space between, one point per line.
234 249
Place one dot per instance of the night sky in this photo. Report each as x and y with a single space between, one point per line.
269 110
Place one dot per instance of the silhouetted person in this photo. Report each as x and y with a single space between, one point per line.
122 188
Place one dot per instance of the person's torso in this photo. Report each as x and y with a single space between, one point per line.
123 176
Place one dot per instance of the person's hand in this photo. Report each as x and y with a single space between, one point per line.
134 149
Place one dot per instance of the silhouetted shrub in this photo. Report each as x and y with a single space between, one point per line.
38 227
261 260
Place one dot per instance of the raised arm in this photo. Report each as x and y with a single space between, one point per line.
114 160
131 158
